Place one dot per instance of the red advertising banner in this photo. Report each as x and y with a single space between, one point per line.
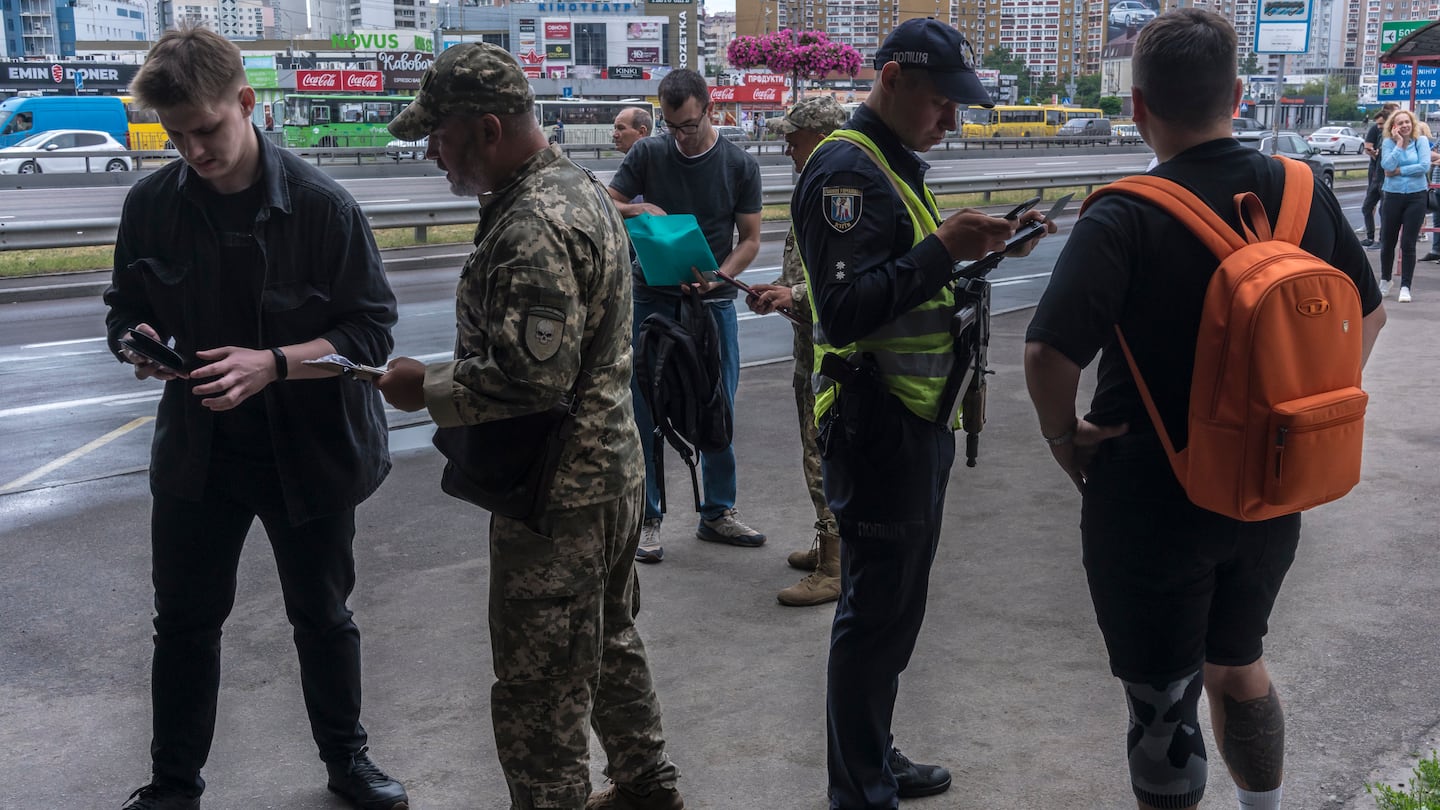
748 94
340 81
557 30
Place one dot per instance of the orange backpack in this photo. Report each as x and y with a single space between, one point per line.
1276 415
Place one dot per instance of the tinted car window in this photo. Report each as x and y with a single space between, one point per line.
89 139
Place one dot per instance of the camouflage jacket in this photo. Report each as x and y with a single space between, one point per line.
546 286
792 275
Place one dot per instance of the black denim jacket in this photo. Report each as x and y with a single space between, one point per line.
323 278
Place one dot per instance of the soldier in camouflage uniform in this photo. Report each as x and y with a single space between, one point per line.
545 297
803 127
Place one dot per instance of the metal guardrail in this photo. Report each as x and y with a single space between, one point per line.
420 216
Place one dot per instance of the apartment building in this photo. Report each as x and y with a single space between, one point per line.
861 24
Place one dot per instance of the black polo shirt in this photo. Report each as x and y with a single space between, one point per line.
1130 263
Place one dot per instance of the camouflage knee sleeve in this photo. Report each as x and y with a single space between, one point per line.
1167 752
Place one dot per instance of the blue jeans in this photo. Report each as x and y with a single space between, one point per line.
717 470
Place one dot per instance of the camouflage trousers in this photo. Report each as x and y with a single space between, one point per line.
567 655
810 451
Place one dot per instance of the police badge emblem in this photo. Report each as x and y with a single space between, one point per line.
544 329
841 206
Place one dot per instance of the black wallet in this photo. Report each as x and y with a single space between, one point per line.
153 350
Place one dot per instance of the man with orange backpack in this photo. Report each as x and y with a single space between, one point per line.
1233 333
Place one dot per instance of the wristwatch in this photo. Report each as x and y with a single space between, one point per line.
1064 438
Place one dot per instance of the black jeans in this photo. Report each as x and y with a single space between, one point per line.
196 552
888 501
1400 219
1374 180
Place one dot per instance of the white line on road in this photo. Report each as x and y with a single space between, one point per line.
62 343
77 453
1005 282
428 258
370 202
114 399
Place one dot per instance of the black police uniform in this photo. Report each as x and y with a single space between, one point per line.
888 498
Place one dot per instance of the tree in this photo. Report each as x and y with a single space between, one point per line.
1087 90
1110 105
803 55
1250 65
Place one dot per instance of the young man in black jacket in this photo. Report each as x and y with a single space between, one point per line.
251 261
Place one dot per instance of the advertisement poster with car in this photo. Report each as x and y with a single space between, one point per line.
1128 16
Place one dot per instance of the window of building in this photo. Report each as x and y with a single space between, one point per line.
589 39
499 38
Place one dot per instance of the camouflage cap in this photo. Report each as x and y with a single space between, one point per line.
473 77
822 114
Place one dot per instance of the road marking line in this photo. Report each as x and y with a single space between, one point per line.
115 399
369 202
61 343
428 258
77 453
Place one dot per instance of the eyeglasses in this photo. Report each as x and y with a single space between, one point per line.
683 129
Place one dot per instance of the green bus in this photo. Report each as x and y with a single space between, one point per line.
325 121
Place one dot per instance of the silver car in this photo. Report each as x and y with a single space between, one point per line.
1336 140
65 150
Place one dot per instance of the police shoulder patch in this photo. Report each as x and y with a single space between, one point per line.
544 332
841 206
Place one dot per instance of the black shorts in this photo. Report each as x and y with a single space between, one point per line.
1174 585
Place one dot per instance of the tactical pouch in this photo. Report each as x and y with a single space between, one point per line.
863 416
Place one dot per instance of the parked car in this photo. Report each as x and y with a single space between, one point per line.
66 150
1239 124
408 150
24 116
1130 12
1086 130
1127 133
1336 140
1291 145
732 133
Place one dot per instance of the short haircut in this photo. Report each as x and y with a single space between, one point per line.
640 118
679 86
1184 64
189 66
1394 117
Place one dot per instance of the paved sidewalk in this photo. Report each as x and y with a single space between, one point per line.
1008 687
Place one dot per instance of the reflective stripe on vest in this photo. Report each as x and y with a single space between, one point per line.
915 352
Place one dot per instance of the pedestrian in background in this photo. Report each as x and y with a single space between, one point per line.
631 124
803 126
1405 160
544 301
1374 177
252 261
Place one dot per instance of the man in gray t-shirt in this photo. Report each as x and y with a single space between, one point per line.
691 170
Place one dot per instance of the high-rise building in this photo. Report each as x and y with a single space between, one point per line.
861 24
716 32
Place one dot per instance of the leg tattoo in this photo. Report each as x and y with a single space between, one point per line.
1254 741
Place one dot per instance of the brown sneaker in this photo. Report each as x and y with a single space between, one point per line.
619 797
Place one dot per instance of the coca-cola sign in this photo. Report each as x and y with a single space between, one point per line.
403 70
747 94
317 79
361 81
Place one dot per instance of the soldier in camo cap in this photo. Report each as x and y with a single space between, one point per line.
545 299
804 126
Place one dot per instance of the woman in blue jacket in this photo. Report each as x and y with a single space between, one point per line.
1405 159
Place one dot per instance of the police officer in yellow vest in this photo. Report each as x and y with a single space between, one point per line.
878 260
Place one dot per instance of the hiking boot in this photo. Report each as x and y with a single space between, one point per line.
160 797
1404 296
364 785
1384 287
728 529
619 797
917 780
823 584
649 550
806 560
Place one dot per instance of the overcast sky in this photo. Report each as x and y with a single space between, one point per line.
713 6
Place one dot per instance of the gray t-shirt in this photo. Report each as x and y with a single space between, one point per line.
716 187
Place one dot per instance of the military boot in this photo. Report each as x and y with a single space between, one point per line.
620 797
823 584
806 560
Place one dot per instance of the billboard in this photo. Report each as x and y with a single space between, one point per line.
642 56
557 30
559 52
1124 17
642 30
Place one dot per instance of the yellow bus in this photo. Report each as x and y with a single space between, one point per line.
145 130
1004 121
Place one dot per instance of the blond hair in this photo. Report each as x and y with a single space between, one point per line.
1395 116
189 66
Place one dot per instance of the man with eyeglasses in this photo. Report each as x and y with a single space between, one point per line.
879 260
691 170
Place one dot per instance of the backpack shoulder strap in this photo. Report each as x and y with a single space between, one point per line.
1180 203
1295 203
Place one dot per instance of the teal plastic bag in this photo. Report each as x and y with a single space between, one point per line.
668 247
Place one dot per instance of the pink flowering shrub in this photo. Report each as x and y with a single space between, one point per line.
807 54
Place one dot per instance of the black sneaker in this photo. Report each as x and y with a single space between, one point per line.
160 797
917 780
1432 256
1367 242
366 786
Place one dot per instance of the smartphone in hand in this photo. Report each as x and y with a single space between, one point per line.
1020 209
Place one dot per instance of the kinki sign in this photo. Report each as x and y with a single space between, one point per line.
339 81
381 41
